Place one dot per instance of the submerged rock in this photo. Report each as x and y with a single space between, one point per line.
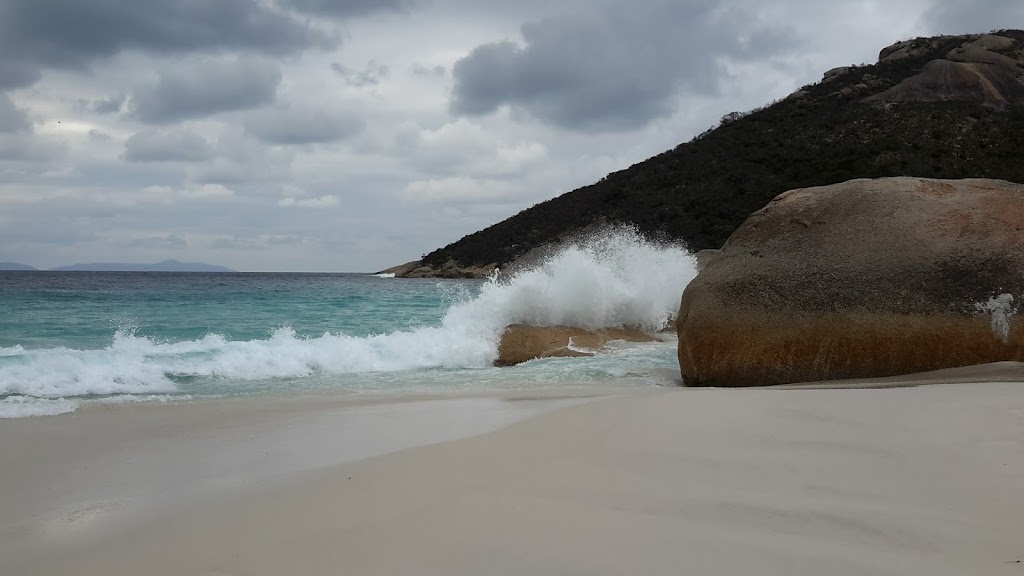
867 278
521 343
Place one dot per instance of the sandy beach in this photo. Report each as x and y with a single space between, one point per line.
908 480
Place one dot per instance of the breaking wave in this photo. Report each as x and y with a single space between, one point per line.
613 279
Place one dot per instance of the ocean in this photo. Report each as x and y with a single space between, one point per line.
72 338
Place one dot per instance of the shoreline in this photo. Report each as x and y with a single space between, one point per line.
843 481
104 466
214 429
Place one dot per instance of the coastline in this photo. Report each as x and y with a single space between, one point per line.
659 481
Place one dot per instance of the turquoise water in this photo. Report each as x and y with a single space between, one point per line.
86 309
73 337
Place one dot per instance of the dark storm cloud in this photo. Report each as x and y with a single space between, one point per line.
14 74
166 146
615 67
972 16
345 8
12 118
301 126
205 88
37 34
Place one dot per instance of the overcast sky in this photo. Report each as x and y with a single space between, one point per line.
352 135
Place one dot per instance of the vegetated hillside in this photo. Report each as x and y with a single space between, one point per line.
944 107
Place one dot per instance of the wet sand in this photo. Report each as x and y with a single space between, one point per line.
909 480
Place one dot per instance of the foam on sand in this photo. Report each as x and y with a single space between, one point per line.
27 406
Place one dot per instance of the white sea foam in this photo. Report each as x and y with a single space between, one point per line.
1001 309
24 407
28 406
613 279
148 399
384 275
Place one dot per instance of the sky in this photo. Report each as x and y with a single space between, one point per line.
353 135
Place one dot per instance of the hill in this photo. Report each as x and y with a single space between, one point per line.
12 266
942 107
165 266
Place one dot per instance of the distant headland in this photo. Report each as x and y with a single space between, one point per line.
8 266
164 266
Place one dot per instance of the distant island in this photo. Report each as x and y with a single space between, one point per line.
9 266
165 266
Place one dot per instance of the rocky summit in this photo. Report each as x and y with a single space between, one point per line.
986 70
868 278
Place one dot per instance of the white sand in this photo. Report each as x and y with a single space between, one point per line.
924 480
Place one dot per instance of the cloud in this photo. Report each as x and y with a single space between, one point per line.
18 140
29 147
168 194
160 241
465 148
167 146
207 87
456 189
99 136
316 202
301 125
372 75
423 70
141 198
256 242
110 105
615 67
345 8
240 159
12 118
39 34
967 16
56 231
14 73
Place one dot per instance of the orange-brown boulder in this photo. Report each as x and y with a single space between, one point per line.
521 343
868 278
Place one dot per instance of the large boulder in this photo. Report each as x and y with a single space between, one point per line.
868 278
521 343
